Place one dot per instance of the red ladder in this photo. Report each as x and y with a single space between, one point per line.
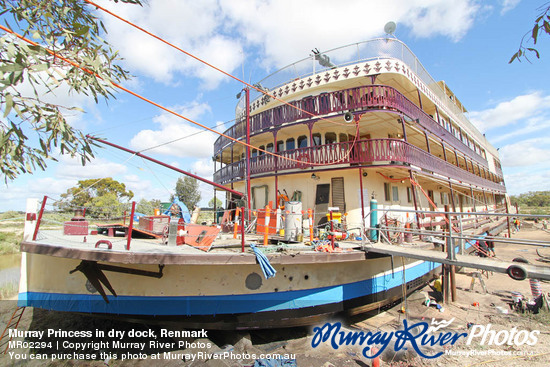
13 323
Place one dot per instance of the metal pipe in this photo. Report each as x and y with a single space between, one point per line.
483 213
129 240
240 194
39 218
473 237
242 230
248 190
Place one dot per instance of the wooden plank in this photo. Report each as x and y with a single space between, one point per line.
534 271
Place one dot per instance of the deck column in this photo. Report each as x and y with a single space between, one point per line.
362 202
415 200
248 192
427 142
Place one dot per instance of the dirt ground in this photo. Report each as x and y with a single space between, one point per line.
471 307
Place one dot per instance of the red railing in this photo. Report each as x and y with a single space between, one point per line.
364 152
372 97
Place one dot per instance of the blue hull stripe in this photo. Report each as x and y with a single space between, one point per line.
223 304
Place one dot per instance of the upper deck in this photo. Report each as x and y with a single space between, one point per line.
389 57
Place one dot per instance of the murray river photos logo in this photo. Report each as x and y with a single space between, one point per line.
418 335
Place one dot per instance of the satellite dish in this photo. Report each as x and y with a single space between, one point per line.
390 27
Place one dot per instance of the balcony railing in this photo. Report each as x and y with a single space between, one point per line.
363 152
376 97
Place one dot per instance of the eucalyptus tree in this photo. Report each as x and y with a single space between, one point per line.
32 127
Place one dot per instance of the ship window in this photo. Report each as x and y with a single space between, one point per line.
395 193
343 137
431 196
254 152
444 198
316 139
269 147
262 148
290 144
280 146
302 141
387 189
409 195
330 138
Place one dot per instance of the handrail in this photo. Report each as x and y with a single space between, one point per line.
358 99
359 53
364 152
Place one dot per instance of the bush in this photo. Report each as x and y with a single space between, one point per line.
9 242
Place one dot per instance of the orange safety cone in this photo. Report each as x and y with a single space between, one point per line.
310 220
236 226
267 220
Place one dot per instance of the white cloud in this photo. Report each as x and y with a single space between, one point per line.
194 26
508 5
203 168
282 30
448 18
36 188
191 140
530 126
146 189
522 182
72 168
511 112
287 30
526 152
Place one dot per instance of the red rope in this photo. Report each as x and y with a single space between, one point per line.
413 182
53 53
207 63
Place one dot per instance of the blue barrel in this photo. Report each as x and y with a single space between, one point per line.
373 219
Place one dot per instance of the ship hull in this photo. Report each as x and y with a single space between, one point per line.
228 296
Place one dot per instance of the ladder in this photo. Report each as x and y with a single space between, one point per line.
12 323
478 275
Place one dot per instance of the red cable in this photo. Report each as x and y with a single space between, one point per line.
53 53
206 63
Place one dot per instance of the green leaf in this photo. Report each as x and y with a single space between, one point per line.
9 104
535 51
535 33
8 68
41 67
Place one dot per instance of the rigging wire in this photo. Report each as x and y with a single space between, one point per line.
121 125
184 137
170 192
55 54
206 63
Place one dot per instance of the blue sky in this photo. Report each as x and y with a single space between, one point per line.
467 43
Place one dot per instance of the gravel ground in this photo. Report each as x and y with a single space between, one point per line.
475 307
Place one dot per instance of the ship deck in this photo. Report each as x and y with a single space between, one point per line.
225 250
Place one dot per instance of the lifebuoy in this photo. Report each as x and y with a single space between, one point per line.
106 242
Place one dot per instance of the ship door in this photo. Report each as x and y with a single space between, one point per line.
322 196
259 196
338 197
